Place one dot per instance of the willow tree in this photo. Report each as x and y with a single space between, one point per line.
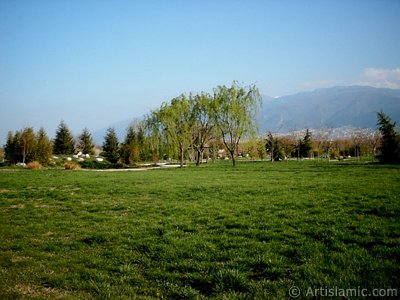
154 134
235 110
203 122
174 119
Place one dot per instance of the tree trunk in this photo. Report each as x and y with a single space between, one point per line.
232 152
272 154
181 156
198 157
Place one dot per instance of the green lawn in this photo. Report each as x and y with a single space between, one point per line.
211 232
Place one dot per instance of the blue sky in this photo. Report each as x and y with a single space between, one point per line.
94 63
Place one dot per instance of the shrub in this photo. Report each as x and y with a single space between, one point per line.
96 165
334 154
71 166
34 165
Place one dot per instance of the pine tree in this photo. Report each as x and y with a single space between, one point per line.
10 149
273 147
43 147
85 144
64 142
130 150
111 146
141 141
306 145
390 142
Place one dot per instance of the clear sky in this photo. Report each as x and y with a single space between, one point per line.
94 63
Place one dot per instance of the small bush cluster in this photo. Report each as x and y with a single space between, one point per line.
96 165
71 166
34 165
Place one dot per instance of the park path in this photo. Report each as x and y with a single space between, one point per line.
161 166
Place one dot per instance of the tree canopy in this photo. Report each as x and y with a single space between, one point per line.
390 142
111 146
64 141
234 110
85 142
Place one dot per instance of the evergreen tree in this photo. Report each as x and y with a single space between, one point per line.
110 146
305 145
130 152
43 147
273 147
10 149
85 143
64 142
141 141
17 147
390 142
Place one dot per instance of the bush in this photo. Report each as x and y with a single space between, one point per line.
96 165
34 165
71 166
334 154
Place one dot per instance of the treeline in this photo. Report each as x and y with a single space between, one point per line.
305 144
197 127
182 129
383 145
26 145
188 125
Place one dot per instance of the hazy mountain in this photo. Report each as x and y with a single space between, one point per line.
353 106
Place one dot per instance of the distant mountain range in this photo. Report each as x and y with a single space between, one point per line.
347 106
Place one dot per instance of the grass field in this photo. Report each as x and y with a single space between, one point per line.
211 232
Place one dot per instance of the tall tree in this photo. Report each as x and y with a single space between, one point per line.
85 142
130 151
43 147
155 136
235 108
28 144
203 121
111 146
179 125
305 145
143 144
175 122
273 147
64 141
390 142
11 148
2 155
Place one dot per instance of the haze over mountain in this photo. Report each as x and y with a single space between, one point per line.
345 106
353 106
